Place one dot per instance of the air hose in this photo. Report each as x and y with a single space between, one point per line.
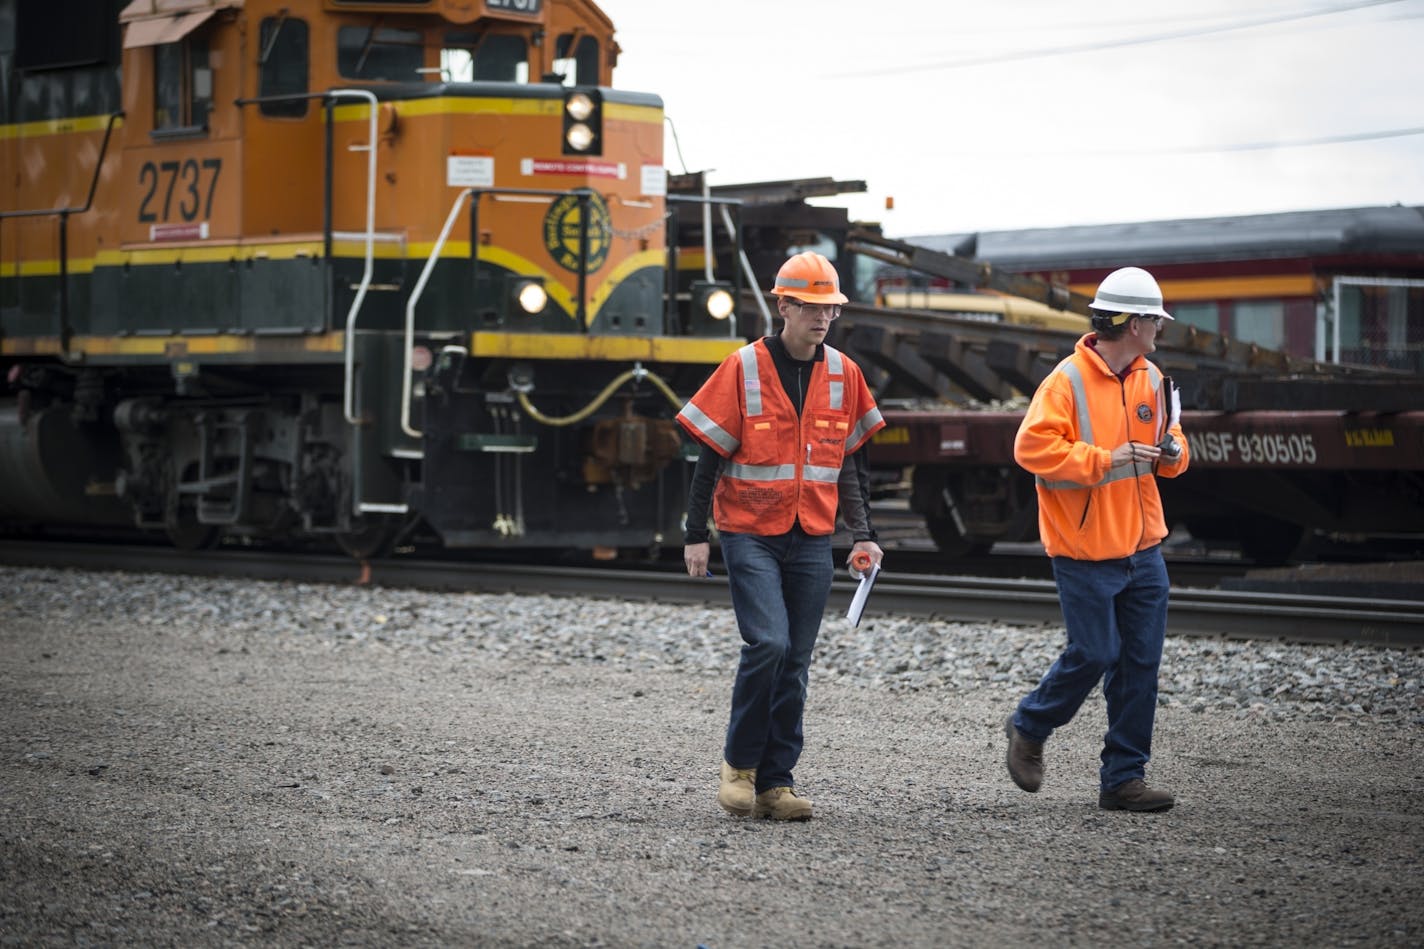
637 372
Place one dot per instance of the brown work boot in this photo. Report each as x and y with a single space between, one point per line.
1025 758
1135 795
737 791
782 804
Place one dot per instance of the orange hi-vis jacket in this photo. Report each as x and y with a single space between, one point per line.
780 467
1087 509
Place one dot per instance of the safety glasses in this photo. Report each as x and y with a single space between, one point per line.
829 310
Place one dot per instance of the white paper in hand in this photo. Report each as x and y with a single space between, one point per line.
862 593
1175 415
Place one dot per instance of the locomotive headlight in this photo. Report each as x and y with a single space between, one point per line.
579 137
579 106
583 121
711 309
718 304
529 294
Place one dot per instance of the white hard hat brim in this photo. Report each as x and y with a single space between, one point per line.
1114 303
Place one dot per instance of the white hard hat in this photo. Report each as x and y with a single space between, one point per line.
1130 290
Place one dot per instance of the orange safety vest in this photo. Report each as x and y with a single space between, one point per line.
780 468
1087 509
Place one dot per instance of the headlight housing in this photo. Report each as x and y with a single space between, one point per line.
711 309
583 122
718 303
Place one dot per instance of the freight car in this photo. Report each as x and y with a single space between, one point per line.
1266 482
285 269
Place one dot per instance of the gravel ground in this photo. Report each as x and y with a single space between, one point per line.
202 762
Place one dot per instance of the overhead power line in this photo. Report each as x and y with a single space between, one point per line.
1200 149
1096 45
1286 143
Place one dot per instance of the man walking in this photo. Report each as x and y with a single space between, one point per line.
1101 427
781 423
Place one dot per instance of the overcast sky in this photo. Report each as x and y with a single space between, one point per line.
1008 114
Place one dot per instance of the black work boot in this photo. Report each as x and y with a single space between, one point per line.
1135 795
1025 758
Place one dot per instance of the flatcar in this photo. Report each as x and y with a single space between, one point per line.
341 269
1273 485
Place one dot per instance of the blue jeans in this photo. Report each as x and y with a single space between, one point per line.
1116 613
779 588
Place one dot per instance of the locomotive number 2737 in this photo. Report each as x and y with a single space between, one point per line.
194 180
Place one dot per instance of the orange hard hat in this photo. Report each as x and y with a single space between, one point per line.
811 278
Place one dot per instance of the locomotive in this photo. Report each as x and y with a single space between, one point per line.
342 269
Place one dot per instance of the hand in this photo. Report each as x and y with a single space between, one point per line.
870 548
1174 401
696 557
1135 453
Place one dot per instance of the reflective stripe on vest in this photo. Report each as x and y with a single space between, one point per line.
714 433
751 378
821 474
866 424
835 368
733 469
1074 375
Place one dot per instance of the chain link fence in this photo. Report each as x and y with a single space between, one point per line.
1380 323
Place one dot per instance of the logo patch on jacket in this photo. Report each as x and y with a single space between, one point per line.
1144 412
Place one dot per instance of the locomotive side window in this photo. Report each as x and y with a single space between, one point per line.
182 86
370 52
285 56
576 60
472 57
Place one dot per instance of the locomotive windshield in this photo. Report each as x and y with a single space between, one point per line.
377 52
484 57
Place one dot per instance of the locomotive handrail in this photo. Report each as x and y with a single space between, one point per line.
349 398
64 230
474 194
348 386
410 306
707 201
751 276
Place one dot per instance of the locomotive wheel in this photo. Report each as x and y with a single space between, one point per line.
186 533
370 540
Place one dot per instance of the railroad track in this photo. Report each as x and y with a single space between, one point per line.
1194 611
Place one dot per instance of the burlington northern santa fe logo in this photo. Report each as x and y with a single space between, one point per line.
561 232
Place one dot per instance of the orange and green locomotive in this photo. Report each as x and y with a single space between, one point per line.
297 268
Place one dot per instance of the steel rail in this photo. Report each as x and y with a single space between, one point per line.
1200 612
